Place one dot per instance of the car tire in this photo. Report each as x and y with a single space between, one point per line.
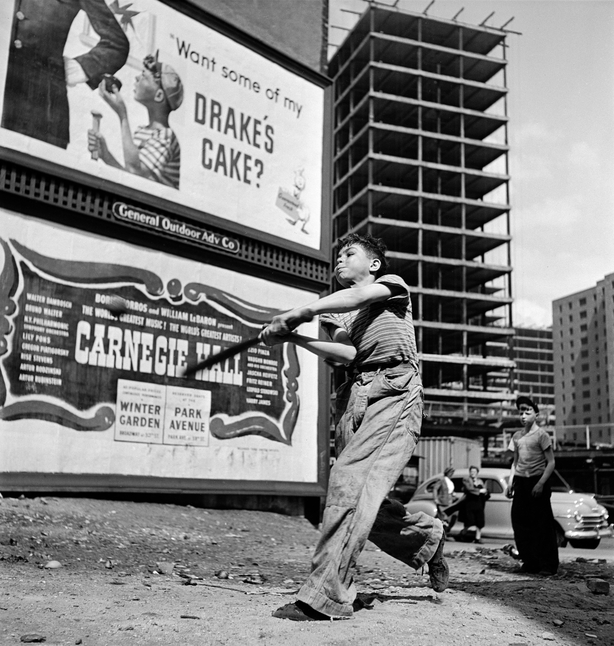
585 543
561 541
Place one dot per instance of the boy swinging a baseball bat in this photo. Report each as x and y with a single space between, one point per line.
378 420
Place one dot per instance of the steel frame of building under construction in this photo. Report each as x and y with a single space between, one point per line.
421 160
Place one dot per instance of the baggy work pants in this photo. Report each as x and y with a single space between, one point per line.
379 415
534 526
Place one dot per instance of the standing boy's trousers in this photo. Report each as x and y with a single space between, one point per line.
534 526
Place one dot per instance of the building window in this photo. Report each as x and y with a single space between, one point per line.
571 318
583 314
587 420
583 301
586 380
585 366
586 394
573 408
583 327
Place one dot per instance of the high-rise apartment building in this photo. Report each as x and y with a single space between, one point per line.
534 374
420 160
583 340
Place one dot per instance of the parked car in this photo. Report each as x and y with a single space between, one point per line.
580 519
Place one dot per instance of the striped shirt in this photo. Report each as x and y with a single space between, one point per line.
159 153
382 332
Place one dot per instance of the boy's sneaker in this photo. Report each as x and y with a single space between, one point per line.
439 572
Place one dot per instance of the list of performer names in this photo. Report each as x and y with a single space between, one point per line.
262 376
44 328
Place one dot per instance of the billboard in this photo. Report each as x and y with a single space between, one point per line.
143 100
85 392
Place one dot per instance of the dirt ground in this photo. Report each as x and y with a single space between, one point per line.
163 574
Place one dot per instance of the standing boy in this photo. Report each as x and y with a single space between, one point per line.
153 151
379 414
532 518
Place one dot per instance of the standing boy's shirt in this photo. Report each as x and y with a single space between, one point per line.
531 448
383 332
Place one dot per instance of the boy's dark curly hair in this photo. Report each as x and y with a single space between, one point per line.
374 247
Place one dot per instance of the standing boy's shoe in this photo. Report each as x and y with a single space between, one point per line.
439 572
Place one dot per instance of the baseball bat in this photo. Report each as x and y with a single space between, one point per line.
228 352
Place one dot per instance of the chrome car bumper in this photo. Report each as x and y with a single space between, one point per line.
597 532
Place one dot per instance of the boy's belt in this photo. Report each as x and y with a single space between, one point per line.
374 367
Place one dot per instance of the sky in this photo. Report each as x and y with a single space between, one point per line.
560 78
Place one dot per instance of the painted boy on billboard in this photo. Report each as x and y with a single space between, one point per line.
153 150
35 95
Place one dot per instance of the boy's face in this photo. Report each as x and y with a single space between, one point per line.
527 414
353 264
146 87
